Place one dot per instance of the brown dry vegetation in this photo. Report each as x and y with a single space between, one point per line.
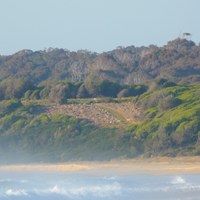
101 114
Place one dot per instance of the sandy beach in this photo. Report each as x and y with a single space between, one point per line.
158 165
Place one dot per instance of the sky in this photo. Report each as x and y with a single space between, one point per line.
94 25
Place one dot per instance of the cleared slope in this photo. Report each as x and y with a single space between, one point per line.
101 114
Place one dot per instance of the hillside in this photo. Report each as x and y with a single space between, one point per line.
178 61
170 121
57 105
163 122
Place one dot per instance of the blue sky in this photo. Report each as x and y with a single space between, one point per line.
95 25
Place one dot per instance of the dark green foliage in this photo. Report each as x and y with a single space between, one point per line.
82 92
169 102
15 87
7 107
164 83
108 89
62 91
34 94
135 90
161 83
59 94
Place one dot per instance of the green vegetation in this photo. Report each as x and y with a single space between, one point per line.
59 92
30 136
170 121
167 110
169 124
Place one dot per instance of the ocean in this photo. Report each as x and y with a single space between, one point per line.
88 186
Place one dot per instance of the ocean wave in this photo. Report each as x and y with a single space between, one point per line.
11 181
106 190
12 192
8 180
102 188
178 180
110 178
179 183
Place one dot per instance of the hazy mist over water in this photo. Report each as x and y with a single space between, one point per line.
87 186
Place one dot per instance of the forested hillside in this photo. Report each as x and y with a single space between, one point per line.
58 74
178 61
57 105
165 122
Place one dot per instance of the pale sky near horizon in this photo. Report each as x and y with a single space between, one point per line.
95 25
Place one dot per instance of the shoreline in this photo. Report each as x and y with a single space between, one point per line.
153 166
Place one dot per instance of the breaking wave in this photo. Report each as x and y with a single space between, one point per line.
11 192
98 190
82 191
179 183
108 187
178 180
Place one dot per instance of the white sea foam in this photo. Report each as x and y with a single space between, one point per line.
96 187
112 189
179 183
178 180
12 192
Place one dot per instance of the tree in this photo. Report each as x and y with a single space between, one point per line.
82 92
132 90
108 88
15 87
58 94
123 93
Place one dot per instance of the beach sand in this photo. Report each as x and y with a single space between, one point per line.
156 166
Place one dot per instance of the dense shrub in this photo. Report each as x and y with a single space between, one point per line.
14 88
169 102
